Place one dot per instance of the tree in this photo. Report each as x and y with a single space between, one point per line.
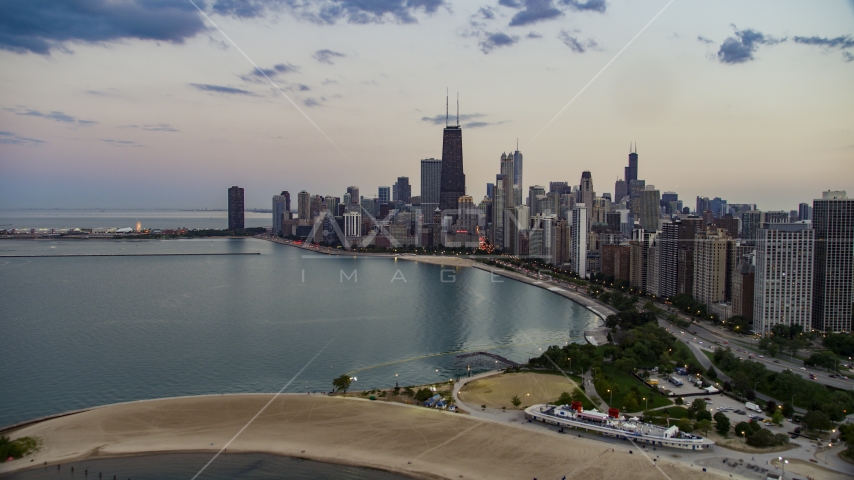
696 407
704 415
722 424
630 403
777 417
817 420
771 407
742 428
711 373
685 425
341 384
515 401
788 410
564 399
704 425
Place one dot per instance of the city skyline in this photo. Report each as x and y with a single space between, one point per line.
716 97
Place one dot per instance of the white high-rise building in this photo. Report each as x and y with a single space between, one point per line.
353 224
783 282
578 242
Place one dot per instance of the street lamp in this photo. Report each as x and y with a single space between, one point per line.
783 466
645 404
612 398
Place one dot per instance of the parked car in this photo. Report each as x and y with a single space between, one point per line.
803 368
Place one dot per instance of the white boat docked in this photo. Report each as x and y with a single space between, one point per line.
617 427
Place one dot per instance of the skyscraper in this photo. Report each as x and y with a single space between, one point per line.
517 175
235 208
431 182
304 206
498 206
688 229
578 240
783 279
669 260
636 187
833 222
710 265
631 171
402 190
587 194
281 206
453 181
354 194
533 192
621 189
384 194
804 212
650 208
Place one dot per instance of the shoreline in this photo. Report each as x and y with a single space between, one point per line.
412 441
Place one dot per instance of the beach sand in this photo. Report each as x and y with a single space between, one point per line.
437 260
340 430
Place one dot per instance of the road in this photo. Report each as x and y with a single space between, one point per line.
716 335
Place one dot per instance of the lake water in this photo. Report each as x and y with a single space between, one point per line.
162 219
181 466
84 331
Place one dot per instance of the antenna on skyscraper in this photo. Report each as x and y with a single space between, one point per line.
446 107
458 109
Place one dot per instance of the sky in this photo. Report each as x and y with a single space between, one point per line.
160 104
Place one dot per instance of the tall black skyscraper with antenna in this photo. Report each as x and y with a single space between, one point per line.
632 169
453 184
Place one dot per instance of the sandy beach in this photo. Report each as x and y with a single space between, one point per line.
417 441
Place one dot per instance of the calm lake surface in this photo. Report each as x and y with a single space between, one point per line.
180 466
163 219
84 331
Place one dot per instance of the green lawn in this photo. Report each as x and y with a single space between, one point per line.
623 382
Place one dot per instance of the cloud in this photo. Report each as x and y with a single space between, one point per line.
703 39
839 42
56 116
121 143
848 56
220 89
256 75
329 12
311 102
39 26
589 6
492 41
487 13
535 11
533 35
156 127
577 46
327 56
303 88
11 138
740 49
440 119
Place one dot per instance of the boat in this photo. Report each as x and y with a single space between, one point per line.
613 425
